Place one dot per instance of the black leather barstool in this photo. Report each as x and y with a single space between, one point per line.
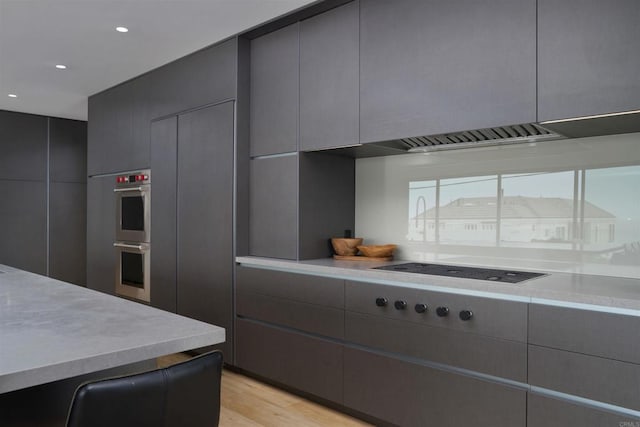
184 394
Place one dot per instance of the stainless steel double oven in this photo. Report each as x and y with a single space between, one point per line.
133 235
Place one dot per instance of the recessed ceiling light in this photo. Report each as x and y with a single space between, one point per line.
13 95
122 29
61 67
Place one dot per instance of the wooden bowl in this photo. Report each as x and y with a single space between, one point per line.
377 251
345 246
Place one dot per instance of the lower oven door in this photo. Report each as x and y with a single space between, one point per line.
132 272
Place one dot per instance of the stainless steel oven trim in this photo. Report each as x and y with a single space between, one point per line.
143 294
129 235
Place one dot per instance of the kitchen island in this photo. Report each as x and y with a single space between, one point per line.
54 333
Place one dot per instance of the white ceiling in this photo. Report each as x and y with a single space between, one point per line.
35 35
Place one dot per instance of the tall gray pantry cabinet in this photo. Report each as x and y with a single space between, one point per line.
192 268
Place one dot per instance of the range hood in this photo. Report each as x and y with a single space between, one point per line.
577 127
513 134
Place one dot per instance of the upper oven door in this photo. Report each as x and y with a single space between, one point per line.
133 213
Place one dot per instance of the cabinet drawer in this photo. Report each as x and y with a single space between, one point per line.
299 361
407 394
298 287
605 380
613 336
502 358
311 318
491 317
546 412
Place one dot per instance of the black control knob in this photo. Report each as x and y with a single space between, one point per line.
442 311
421 308
466 315
400 305
381 302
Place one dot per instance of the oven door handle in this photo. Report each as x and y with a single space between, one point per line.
121 190
127 246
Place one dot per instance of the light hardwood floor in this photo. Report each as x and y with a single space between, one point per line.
246 402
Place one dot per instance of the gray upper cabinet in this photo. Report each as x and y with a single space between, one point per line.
119 118
273 201
274 92
118 128
298 202
23 141
68 151
587 57
329 75
202 78
436 66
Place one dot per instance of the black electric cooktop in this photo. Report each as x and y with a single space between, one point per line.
505 276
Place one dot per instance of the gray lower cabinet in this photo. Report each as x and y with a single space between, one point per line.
164 164
586 57
436 66
304 362
297 202
591 358
274 92
289 328
329 76
494 318
488 355
305 303
205 217
544 411
409 394
607 335
101 233
599 379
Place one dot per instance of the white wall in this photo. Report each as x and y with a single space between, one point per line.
595 183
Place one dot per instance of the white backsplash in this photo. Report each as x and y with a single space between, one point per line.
570 205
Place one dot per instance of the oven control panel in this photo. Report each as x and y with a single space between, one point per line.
136 178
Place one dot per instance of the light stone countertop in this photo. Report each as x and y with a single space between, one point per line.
52 330
600 293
